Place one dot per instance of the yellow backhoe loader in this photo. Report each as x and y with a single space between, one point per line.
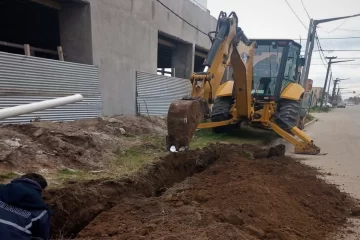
263 90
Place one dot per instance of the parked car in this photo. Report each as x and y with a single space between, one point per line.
341 105
329 105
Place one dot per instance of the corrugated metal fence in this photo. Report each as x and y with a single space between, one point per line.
156 92
25 79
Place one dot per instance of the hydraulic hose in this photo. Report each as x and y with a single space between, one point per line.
219 37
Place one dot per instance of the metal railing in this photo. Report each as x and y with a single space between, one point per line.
29 50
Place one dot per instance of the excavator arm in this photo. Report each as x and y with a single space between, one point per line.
207 82
303 146
185 115
302 142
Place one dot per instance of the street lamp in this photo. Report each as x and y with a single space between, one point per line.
310 44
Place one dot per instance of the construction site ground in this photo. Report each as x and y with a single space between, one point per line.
111 178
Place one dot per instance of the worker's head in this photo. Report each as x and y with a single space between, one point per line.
36 178
273 58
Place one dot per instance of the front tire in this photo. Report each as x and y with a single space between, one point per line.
221 112
288 110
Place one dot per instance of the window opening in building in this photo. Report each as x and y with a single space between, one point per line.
165 54
200 56
29 28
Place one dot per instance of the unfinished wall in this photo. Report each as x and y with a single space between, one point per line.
183 60
124 39
75 32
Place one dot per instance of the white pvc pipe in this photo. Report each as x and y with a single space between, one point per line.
38 106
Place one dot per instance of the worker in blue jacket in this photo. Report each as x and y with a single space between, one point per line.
23 213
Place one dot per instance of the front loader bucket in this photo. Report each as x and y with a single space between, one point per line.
307 148
182 120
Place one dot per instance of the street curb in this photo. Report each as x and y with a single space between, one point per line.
312 121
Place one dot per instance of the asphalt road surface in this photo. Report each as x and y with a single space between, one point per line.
337 133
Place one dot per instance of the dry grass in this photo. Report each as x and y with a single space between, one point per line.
147 148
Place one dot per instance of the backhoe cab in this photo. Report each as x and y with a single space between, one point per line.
263 91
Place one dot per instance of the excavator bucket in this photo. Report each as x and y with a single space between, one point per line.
182 120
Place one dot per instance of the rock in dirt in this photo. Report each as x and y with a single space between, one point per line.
122 131
4 155
114 120
233 218
277 151
39 132
255 231
13 143
355 211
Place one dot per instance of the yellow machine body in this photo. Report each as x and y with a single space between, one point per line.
230 47
293 91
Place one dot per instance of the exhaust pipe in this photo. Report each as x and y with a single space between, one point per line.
38 106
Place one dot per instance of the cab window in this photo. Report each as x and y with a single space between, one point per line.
290 73
267 61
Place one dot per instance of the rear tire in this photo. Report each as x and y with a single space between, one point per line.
221 112
288 110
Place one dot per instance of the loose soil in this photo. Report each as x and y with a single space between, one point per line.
221 192
89 144
76 204
224 191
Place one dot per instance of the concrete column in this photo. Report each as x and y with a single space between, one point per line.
183 59
75 32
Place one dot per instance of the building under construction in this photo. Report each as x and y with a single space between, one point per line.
123 56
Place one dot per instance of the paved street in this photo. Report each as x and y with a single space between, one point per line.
338 135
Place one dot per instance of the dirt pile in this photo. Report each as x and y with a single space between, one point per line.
84 144
235 198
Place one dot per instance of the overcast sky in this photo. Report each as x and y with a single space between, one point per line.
274 19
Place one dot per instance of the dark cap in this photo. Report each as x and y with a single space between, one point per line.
36 178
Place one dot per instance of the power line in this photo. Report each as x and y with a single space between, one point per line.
321 53
349 30
344 29
295 14
338 64
334 38
339 50
338 27
307 13
344 58
181 17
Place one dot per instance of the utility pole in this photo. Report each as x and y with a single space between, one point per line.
336 81
310 47
310 44
328 90
326 79
338 95
334 89
327 75
338 91
308 53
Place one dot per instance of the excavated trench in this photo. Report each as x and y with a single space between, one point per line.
236 193
76 205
